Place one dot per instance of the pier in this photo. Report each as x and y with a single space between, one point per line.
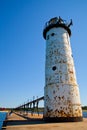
17 122
22 119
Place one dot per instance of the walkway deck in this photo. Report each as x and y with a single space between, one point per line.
16 122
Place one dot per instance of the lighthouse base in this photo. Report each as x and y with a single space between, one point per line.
63 119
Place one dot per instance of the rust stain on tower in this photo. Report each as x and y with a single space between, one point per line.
61 92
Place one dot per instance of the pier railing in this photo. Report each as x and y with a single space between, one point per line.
31 106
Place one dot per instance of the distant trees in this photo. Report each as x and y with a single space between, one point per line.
2 109
84 107
5 109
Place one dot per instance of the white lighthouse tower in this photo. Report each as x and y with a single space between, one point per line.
61 92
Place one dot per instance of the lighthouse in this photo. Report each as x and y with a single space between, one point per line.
61 91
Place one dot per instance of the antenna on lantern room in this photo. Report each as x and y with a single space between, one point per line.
57 22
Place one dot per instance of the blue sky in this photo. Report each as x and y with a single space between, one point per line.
22 46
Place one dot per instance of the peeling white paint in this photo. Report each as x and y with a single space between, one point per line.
61 92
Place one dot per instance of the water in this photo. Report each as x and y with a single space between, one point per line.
2 118
85 114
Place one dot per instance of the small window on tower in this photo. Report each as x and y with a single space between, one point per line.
52 34
54 68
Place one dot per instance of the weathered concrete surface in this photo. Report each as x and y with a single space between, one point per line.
43 126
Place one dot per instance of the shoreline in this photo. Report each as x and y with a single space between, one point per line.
4 111
84 110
